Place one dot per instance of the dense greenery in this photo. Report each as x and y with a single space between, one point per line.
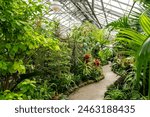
85 45
23 32
35 63
132 61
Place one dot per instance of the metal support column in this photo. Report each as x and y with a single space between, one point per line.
131 8
93 13
104 11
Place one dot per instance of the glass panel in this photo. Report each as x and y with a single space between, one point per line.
73 12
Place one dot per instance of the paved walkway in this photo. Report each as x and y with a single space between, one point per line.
97 90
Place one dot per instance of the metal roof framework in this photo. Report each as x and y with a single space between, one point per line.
98 12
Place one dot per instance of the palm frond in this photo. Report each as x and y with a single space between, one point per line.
145 23
144 1
143 58
130 40
143 64
120 23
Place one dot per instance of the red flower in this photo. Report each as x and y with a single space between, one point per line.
96 62
87 56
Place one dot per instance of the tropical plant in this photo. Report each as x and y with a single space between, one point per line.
144 1
122 22
105 55
129 41
137 44
143 58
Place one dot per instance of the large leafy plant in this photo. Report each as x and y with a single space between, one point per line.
143 58
122 22
20 38
137 44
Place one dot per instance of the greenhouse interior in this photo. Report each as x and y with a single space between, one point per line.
74 49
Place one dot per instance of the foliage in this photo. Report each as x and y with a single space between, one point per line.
88 36
123 65
115 95
143 56
8 95
89 71
85 42
136 40
20 38
105 55
56 65
122 89
27 87
30 49
26 90
34 62
122 22
131 43
144 1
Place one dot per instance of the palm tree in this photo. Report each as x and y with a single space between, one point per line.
138 45
136 42
143 57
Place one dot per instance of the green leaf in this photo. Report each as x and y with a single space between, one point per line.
145 23
8 46
23 47
15 49
130 39
3 65
3 19
18 66
142 59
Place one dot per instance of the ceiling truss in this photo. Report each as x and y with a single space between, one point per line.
98 12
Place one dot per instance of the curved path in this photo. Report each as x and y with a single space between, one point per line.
97 90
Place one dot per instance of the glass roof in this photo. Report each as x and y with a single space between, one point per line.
99 12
